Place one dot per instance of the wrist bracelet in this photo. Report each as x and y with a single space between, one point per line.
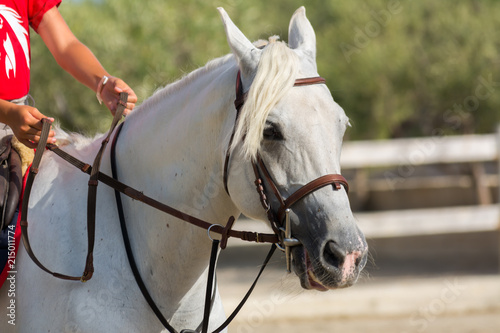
100 87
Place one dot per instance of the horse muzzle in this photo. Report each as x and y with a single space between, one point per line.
329 264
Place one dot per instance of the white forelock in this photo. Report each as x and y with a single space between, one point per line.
276 75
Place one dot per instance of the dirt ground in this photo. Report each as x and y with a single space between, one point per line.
442 283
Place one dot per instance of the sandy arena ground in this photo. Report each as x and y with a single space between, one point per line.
444 283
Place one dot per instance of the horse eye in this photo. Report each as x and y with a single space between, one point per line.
271 132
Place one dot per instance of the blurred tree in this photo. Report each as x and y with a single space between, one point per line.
399 68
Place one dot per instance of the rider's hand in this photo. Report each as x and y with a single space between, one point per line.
26 123
110 94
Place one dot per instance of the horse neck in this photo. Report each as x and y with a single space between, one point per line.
172 148
180 133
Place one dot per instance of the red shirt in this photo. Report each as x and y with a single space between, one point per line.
15 18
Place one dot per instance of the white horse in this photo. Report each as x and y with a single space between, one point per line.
173 148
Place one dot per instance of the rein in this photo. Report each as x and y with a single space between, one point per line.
213 261
91 198
95 177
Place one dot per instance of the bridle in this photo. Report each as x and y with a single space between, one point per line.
279 218
282 229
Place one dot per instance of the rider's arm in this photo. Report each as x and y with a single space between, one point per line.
77 59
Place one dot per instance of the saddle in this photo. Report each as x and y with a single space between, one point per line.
10 181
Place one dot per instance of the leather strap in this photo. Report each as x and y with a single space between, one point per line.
309 81
331 179
92 191
140 196
269 179
128 249
24 210
238 103
91 198
249 292
225 233
210 285
276 221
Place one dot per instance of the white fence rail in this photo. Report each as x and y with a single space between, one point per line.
429 221
406 153
419 151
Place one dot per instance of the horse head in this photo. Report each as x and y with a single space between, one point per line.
296 131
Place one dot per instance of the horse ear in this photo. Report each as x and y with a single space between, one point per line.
301 36
246 53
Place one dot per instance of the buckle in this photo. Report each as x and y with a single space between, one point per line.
288 241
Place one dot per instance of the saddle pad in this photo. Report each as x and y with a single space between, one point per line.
12 235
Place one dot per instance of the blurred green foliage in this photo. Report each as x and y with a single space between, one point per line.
398 68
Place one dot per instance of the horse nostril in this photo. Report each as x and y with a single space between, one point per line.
333 255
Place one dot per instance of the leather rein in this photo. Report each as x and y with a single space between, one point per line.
95 177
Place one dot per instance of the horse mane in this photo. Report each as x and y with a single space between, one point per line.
162 92
75 143
276 75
